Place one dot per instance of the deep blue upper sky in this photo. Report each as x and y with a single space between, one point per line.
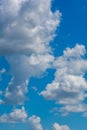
73 24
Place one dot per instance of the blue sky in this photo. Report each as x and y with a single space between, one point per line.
43 65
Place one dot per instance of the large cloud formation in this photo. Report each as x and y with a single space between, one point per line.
27 27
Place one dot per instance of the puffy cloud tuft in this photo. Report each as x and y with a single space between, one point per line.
56 126
70 85
35 123
16 116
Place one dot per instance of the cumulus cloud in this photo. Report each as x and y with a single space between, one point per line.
27 27
70 85
56 126
35 123
16 116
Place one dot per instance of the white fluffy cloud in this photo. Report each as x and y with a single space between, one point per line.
35 123
69 86
16 116
56 126
27 27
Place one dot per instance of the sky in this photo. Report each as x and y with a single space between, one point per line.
43 65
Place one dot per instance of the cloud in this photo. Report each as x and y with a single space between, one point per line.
18 92
0 92
35 123
70 85
16 116
27 27
1 101
23 68
2 71
20 116
56 126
